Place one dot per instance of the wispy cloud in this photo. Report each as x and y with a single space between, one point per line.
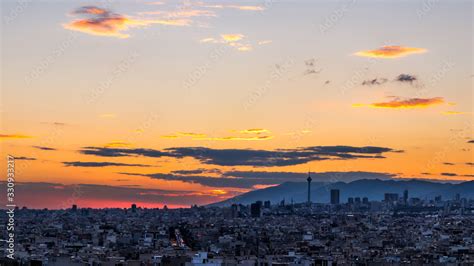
375 81
118 144
101 164
24 158
454 113
254 131
233 40
102 22
264 42
409 103
14 136
406 78
44 148
391 51
231 138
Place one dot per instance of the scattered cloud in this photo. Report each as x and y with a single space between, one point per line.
118 144
449 174
448 163
13 136
197 171
201 136
23 158
233 40
102 22
470 164
239 138
192 134
471 141
406 78
254 131
44 148
264 42
101 164
232 37
375 81
409 103
170 137
391 51
248 157
454 113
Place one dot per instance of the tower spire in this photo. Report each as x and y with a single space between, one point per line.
309 179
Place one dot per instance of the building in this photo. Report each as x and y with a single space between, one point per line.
267 204
335 196
256 209
405 196
390 197
134 207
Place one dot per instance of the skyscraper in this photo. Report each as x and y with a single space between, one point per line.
256 209
405 196
334 196
309 179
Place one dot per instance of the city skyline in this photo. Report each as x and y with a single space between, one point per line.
178 103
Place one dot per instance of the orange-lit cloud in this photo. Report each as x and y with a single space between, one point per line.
191 134
254 131
264 42
391 51
232 40
169 137
232 37
118 144
454 113
13 136
102 22
405 103
231 138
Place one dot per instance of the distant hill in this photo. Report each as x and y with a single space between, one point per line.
374 189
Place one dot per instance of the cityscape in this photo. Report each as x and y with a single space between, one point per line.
236 133
399 230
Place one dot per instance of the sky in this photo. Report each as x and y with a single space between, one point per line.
108 103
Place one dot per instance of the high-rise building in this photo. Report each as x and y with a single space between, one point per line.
74 208
134 207
350 200
256 209
365 200
235 209
390 197
335 196
267 204
309 179
405 196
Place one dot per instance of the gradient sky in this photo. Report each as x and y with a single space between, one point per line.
99 99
